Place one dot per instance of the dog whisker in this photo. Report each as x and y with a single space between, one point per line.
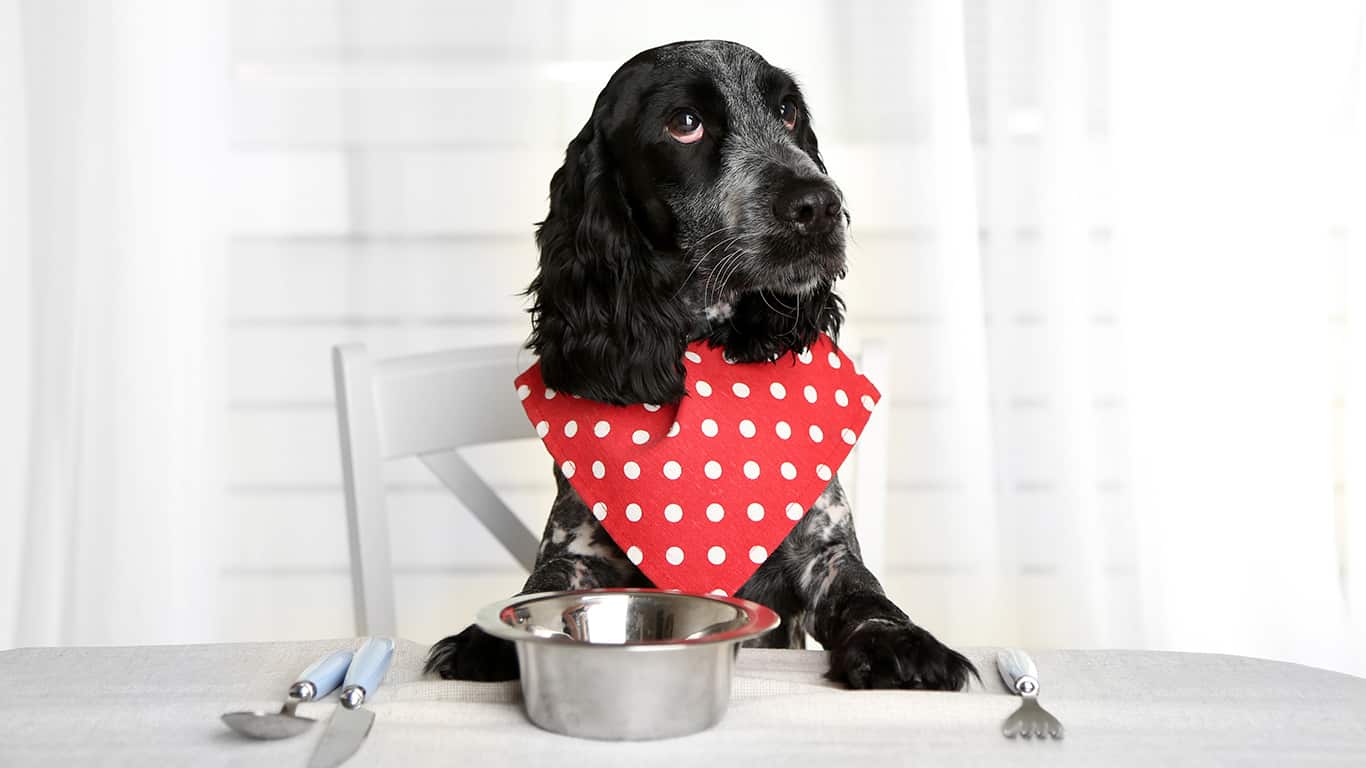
702 260
764 299
727 262
719 274
736 263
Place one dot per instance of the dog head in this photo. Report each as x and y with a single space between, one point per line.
694 203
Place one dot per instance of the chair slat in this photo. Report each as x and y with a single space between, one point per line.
483 502
367 520
427 401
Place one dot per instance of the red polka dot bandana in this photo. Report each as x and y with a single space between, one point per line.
699 493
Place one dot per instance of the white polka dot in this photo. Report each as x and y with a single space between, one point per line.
841 398
848 435
673 431
703 388
783 429
755 511
804 356
777 390
810 393
523 392
757 554
550 393
752 470
577 397
718 593
867 401
716 555
673 470
789 471
599 470
740 389
631 469
823 472
634 555
816 434
633 512
794 511
640 437
567 468
834 359
651 407
673 513
712 470
747 428
715 512
571 428
542 428
709 427
693 356
600 511
602 428
674 555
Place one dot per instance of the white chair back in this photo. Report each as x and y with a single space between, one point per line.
424 406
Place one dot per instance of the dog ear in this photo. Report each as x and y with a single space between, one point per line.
765 325
603 320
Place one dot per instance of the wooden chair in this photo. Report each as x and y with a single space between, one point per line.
429 406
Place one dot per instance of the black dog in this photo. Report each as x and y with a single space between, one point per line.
694 205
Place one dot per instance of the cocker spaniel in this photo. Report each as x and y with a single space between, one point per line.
694 204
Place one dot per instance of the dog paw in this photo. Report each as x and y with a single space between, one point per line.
884 654
473 655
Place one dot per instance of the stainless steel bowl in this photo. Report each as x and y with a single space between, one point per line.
626 663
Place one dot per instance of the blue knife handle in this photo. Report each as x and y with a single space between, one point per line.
367 670
324 675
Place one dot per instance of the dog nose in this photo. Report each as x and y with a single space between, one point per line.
810 207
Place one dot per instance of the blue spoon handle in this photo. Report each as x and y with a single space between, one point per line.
324 675
367 670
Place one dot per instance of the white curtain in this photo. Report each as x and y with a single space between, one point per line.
1147 427
1233 191
112 128
1353 341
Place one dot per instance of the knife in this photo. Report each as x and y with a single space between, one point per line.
350 723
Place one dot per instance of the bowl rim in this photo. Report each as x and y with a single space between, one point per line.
759 619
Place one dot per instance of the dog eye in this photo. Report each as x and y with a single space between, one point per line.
787 112
685 126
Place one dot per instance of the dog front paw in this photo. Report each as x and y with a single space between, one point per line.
473 655
885 654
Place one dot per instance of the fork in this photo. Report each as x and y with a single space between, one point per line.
1022 677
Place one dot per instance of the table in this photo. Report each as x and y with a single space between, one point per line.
159 706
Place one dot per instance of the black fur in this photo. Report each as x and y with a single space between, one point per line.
597 323
651 243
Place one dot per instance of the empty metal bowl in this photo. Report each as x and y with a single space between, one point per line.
626 663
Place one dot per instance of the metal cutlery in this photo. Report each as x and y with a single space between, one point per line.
1022 677
350 724
321 678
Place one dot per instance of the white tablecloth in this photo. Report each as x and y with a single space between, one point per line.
159 706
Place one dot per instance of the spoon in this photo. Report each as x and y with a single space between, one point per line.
321 678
